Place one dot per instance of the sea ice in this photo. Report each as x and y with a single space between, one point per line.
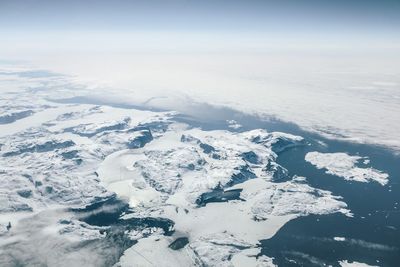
344 165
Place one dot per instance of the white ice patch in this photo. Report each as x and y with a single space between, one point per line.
346 263
233 124
248 257
154 251
344 165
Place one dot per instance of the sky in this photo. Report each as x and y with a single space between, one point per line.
322 21
206 15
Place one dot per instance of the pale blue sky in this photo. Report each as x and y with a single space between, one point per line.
290 16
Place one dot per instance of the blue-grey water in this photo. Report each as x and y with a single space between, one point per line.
372 235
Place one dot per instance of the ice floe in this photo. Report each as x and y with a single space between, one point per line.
344 165
346 263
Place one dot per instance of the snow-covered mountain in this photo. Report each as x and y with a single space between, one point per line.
135 187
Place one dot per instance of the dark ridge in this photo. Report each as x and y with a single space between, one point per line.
115 127
156 126
40 148
179 243
141 140
279 173
207 148
250 157
218 195
69 154
10 118
283 144
243 175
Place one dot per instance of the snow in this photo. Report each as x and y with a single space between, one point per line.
233 124
167 176
346 263
47 168
154 251
60 145
247 257
344 165
75 154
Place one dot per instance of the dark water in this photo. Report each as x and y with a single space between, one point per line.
108 212
219 195
372 235
179 243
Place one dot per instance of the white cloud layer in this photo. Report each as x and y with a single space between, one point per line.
339 87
